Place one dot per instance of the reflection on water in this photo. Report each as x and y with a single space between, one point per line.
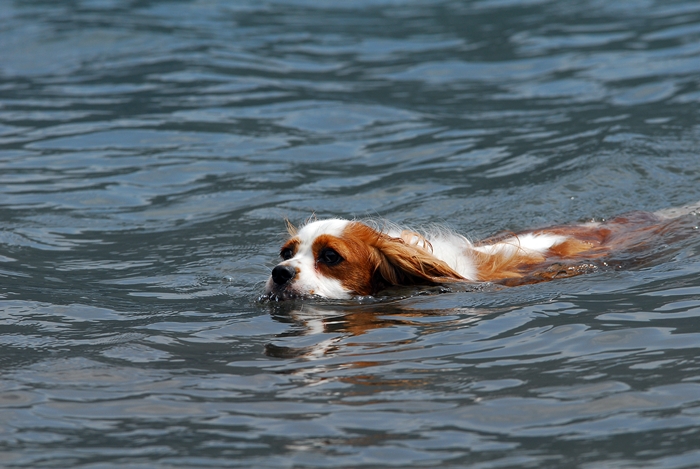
150 151
329 329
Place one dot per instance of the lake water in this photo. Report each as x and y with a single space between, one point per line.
150 151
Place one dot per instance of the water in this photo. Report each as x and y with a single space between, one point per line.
150 151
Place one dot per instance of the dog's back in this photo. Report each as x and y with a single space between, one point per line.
626 240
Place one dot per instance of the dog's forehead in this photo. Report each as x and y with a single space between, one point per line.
333 227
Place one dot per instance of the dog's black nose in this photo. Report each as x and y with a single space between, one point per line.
282 274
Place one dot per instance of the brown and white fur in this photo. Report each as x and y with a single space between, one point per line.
339 259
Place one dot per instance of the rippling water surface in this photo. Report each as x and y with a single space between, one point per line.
150 150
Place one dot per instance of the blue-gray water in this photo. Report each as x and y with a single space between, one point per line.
150 151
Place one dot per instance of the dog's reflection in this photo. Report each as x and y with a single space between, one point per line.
321 330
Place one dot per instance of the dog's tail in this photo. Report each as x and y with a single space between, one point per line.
676 212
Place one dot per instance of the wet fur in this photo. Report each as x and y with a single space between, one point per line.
377 256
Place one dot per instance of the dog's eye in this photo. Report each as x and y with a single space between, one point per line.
329 257
286 253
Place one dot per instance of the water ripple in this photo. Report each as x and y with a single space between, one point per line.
149 153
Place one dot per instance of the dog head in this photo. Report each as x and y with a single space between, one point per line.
340 259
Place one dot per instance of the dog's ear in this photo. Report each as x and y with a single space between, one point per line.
399 263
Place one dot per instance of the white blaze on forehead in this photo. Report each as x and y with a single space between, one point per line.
308 233
334 227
